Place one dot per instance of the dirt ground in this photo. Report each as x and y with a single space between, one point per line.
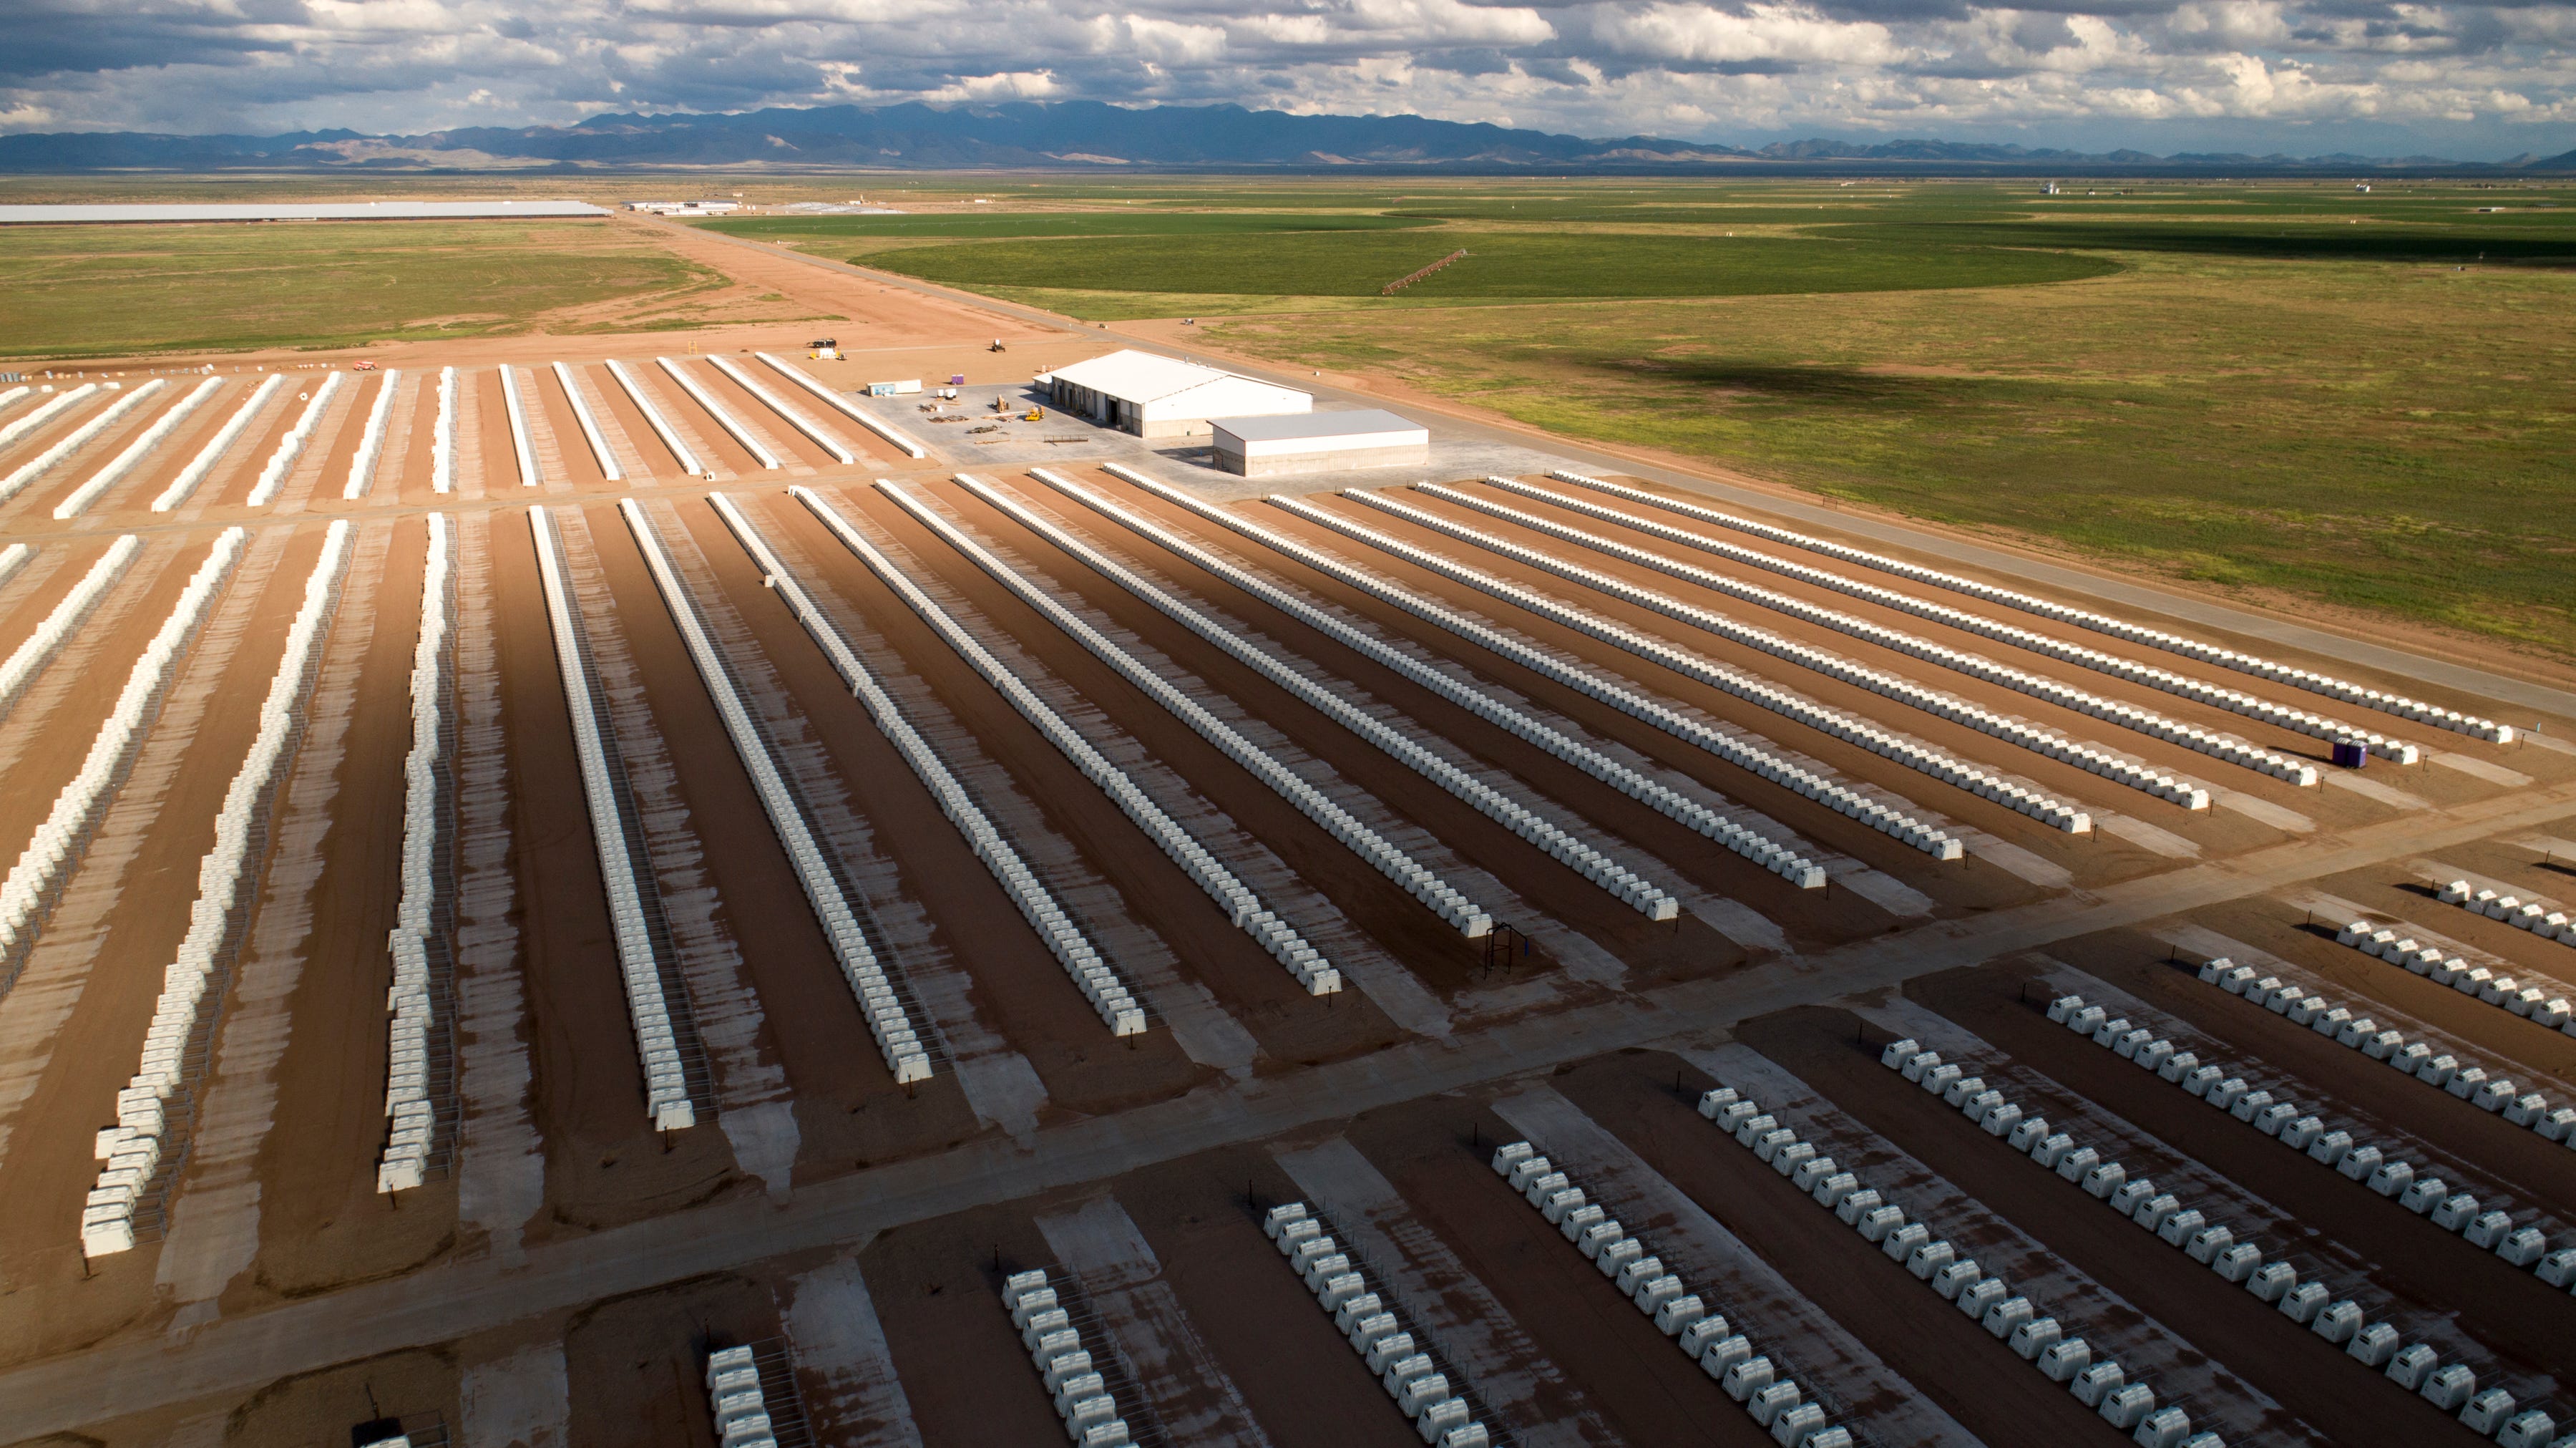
1635 1378
50 1166
323 1223
2518 1317
1250 1052
1717 870
1973 1376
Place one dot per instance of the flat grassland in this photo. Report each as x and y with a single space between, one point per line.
1498 266
2381 438
824 231
2356 403
101 291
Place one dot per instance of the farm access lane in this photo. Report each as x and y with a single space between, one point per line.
466 1296
1889 532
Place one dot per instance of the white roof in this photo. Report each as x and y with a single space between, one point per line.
1301 426
1135 376
335 211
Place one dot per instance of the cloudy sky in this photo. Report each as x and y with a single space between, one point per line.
2382 77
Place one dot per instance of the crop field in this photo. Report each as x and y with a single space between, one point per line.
821 231
116 290
1499 266
2386 439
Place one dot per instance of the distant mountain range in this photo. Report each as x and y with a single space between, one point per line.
1092 136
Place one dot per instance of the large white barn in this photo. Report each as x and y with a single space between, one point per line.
1153 396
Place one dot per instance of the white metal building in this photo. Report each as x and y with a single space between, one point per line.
1153 396
1319 442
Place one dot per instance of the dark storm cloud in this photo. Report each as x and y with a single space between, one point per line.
1668 67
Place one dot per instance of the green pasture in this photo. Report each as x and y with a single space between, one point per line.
1017 224
1499 265
95 291
2375 437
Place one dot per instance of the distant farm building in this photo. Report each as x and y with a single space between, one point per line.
1153 396
1319 442
685 208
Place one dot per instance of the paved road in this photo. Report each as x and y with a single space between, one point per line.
237 1355
2187 608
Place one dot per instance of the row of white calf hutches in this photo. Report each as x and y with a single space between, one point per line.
1834 666
442 436
1745 686
738 1400
1775 1400
795 419
1732 748
667 1097
2426 1062
1633 783
661 425
291 447
29 659
847 408
135 1151
35 882
2234 701
49 409
1081 1375
79 437
1314 974
185 484
1318 442
1110 995
1440 1409
2218 746
2314 683
516 411
2547 1008
896 1019
420 955
2377 1167
1153 396
371 441
2540 917
13 557
599 449
1626 885
724 417
897 1041
2274 1284
78 500
2097 1381
1435 894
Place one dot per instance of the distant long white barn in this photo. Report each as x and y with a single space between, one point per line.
1153 396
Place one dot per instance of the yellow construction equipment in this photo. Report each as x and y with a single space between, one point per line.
1034 414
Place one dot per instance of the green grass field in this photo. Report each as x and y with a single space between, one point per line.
1500 265
811 230
2383 438
2357 401
97 291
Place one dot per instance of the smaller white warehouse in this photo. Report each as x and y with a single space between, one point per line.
1153 396
1319 442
